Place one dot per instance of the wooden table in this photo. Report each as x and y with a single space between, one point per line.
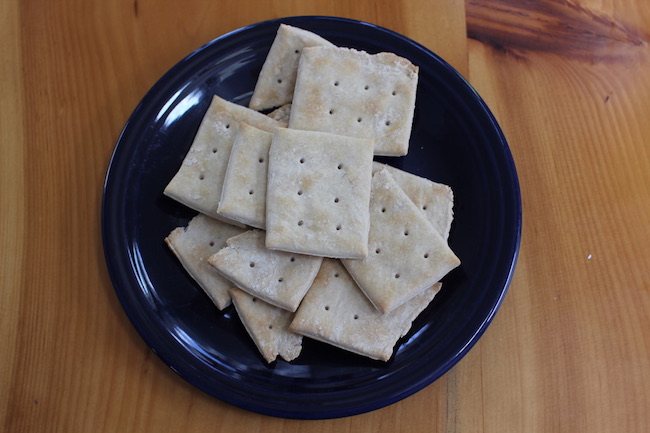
569 82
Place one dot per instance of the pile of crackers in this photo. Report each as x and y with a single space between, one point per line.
298 226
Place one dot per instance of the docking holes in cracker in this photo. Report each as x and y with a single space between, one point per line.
408 254
337 312
199 181
318 193
277 277
350 92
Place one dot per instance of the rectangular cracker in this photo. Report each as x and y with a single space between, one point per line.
336 312
199 180
277 277
268 327
406 254
243 197
318 193
194 244
435 200
351 92
275 83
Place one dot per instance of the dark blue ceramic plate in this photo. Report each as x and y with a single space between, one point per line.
455 141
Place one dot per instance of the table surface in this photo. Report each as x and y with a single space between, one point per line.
569 350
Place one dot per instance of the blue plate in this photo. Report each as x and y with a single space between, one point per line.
455 140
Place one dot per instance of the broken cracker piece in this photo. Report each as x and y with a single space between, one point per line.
281 114
268 326
194 244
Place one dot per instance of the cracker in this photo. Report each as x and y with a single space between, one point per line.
268 327
281 113
277 277
243 197
199 180
435 200
335 311
406 254
192 245
318 193
274 86
351 92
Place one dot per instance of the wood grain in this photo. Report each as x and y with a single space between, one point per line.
568 82
571 29
572 103
12 203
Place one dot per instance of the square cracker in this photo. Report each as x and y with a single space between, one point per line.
350 92
435 200
406 254
199 180
192 245
277 277
274 86
318 193
335 311
243 197
268 327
